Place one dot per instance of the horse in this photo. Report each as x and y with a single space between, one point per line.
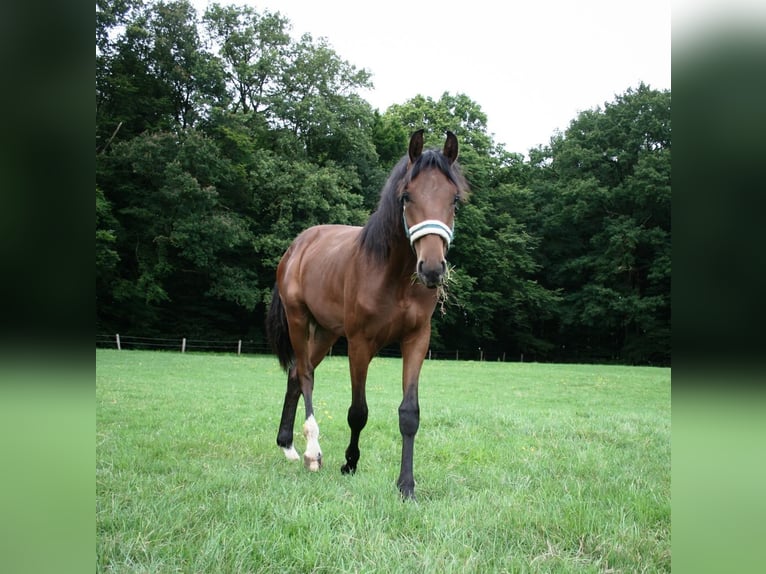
374 285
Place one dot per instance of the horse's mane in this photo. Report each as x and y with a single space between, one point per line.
385 227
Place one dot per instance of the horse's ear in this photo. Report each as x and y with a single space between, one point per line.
450 147
416 145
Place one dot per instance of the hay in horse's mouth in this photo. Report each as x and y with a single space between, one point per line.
442 289
443 295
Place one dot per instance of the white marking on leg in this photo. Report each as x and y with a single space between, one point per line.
291 453
312 458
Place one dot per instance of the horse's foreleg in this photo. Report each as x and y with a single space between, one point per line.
359 361
357 419
413 353
409 421
287 423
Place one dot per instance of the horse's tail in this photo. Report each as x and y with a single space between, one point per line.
277 332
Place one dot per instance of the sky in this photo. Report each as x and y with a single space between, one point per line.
531 66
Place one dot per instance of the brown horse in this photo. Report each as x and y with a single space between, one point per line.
374 285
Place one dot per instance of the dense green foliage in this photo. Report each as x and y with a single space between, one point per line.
572 475
219 138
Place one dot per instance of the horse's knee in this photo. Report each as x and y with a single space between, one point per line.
357 417
409 418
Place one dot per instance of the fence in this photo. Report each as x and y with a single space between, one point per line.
184 344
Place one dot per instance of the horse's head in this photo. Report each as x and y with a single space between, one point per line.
429 198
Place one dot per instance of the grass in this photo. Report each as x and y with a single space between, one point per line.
519 468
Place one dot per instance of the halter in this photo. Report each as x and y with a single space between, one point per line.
428 227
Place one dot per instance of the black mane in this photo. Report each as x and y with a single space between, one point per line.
385 227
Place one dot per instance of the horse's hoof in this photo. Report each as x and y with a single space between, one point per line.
406 489
347 469
312 464
408 494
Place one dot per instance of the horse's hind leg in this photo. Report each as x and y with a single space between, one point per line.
298 385
309 352
312 457
319 344
286 424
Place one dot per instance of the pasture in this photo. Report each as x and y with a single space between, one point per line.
519 468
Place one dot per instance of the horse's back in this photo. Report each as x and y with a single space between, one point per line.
313 272
318 246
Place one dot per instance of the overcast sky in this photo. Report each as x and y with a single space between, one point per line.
531 66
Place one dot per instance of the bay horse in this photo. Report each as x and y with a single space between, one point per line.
374 285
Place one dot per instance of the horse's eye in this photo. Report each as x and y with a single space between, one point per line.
405 197
456 201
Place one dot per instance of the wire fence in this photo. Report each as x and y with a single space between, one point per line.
240 347
182 344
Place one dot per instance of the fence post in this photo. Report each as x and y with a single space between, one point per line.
183 345
119 347
239 347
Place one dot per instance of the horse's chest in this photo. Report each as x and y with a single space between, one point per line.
390 316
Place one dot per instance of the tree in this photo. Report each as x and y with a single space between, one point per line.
318 112
253 48
192 76
457 113
177 239
155 74
603 195
107 258
109 15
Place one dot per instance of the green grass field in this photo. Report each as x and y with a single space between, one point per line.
519 468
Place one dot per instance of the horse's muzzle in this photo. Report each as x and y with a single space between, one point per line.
432 275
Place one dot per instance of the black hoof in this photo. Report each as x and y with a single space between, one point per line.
347 469
407 494
407 489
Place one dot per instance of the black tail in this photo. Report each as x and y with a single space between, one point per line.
277 332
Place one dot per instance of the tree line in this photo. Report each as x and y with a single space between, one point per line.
219 138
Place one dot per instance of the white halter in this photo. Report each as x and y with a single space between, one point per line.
428 227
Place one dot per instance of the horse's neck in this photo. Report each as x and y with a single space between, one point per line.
402 261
